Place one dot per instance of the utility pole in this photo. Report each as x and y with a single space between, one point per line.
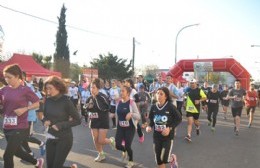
133 59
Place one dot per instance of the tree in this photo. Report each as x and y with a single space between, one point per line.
61 55
44 61
75 71
111 67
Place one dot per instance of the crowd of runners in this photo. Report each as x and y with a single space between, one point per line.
131 105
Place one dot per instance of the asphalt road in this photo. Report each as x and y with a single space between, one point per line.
221 149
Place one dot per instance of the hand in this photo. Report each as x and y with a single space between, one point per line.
128 116
20 111
47 123
166 131
55 128
148 129
197 101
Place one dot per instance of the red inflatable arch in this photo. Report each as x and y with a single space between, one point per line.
219 65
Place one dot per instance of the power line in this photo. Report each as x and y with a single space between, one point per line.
69 26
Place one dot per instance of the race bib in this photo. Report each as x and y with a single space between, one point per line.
159 128
238 99
10 120
251 99
124 123
92 115
191 108
213 101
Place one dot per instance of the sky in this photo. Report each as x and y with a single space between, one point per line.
227 28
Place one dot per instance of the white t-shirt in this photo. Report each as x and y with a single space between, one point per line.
73 92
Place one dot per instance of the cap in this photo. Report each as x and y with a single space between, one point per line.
141 86
193 81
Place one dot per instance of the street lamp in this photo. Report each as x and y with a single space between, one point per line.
177 38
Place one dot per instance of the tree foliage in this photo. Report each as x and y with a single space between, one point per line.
75 71
61 55
111 67
44 61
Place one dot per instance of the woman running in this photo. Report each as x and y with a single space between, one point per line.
127 116
60 115
15 99
164 118
98 109
224 100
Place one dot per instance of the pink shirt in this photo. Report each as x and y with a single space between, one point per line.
14 98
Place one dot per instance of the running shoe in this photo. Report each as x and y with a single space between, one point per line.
130 164
40 162
197 131
42 149
188 138
249 125
141 139
113 143
74 165
213 129
174 163
100 157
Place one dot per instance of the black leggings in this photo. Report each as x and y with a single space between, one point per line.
57 151
14 140
31 139
215 113
179 106
126 134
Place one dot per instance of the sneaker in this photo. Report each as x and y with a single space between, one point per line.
197 131
249 125
74 165
173 163
124 156
40 162
112 143
213 129
100 157
141 139
42 149
130 164
188 138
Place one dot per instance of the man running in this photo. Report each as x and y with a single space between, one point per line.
236 95
195 96
251 102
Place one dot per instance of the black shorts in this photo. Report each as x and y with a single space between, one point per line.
194 115
236 111
164 146
100 123
112 109
250 109
225 103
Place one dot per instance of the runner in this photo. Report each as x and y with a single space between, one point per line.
237 96
114 97
194 97
180 97
84 95
205 89
172 88
15 111
127 116
98 109
145 101
164 118
251 103
133 95
213 97
60 115
224 101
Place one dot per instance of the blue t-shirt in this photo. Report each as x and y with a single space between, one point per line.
122 110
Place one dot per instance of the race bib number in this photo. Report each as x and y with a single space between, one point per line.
92 115
10 121
124 123
159 128
213 101
191 108
238 99
251 99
